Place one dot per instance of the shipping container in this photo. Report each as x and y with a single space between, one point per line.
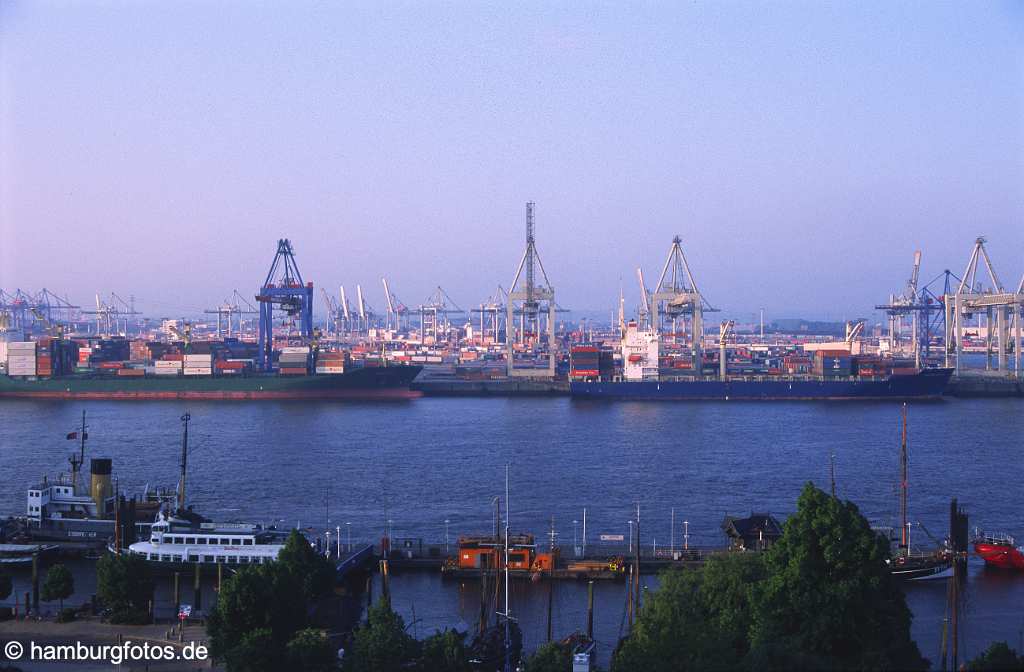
289 371
197 371
131 372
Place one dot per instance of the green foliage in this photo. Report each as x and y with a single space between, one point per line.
255 651
696 619
830 600
258 598
382 644
311 651
124 583
998 656
822 597
67 615
445 652
59 585
6 586
315 570
550 657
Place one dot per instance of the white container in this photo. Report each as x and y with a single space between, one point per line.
22 346
293 350
197 371
166 372
198 358
330 369
161 364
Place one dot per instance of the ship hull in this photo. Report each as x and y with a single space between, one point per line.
927 384
1003 556
370 383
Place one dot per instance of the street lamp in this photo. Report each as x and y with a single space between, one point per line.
686 535
327 545
575 538
446 521
339 541
630 536
348 526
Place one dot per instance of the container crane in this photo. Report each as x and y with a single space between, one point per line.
396 310
231 306
284 288
434 314
528 302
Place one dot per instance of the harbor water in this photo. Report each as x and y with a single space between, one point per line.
414 465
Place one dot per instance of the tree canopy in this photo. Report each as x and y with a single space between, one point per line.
266 598
59 585
998 656
822 597
124 583
381 644
314 570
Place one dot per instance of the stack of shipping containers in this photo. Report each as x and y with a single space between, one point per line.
330 362
294 361
21 358
198 365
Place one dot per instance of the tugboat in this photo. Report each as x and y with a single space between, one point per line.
999 550
179 537
907 565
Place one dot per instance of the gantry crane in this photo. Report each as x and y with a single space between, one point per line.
234 305
677 300
434 312
492 315
284 288
397 312
998 305
724 330
530 301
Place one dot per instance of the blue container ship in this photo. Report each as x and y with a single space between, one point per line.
640 369
924 384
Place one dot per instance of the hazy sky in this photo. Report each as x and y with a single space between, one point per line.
802 150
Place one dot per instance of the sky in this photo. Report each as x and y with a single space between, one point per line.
802 150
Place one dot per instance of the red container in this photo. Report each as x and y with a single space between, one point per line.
171 357
292 372
110 365
135 373
229 366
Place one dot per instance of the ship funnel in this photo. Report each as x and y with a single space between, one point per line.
100 469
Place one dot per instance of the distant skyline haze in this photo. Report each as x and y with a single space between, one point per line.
802 150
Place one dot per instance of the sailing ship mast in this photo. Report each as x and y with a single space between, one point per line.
904 532
77 462
184 461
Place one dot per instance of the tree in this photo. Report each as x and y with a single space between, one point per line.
59 585
998 656
550 657
382 644
697 619
830 600
125 585
445 652
311 651
259 597
314 570
254 652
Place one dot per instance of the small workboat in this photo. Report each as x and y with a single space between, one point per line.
999 550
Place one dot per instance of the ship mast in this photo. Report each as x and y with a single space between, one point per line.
904 541
184 461
508 613
77 462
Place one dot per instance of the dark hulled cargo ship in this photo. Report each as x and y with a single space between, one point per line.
371 382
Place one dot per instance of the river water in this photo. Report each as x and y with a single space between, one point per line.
422 462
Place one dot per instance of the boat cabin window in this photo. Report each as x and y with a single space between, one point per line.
225 542
207 558
247 542
190 540
193 558
154 539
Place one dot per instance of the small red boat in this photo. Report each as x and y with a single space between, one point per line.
999 550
